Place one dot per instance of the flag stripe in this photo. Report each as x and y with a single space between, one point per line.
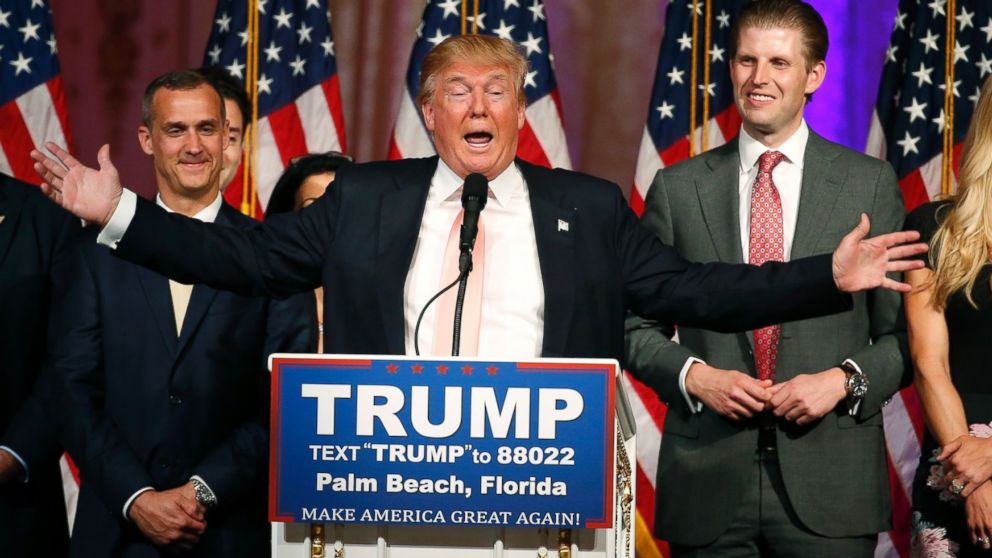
35 102
17 142
332 96
319 134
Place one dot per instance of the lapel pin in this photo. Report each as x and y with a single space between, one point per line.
562 225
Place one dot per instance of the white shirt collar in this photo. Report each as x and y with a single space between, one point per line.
793 148
448 185
207 214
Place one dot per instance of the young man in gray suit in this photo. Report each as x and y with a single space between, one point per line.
773 443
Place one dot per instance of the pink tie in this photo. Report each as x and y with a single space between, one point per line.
766 244
472 309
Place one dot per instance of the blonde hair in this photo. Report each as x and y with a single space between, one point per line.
961 246
480 49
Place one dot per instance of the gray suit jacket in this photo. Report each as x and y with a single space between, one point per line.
834 469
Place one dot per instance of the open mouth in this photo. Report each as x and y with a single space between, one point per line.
478 139
759 98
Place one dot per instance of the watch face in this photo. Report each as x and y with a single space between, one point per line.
857 385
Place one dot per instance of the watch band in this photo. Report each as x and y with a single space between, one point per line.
204 496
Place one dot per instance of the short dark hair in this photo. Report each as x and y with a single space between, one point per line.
283 198
787 14
182 80
230 88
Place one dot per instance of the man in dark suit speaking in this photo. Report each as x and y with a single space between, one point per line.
564 257
162 386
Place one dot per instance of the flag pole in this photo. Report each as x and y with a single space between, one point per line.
693 78
947 164
706 77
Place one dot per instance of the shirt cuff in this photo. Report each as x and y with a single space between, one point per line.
205 485
694 406
127 505
852 410
114 230
24 465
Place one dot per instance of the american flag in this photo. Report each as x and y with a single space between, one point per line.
299 98
32 105
542 140
666 141
907 129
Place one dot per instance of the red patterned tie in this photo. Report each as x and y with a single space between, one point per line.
766 245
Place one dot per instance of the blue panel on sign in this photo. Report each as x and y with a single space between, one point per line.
403 441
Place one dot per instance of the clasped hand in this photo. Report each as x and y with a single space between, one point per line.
171 518
737 396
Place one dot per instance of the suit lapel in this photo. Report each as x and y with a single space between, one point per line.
820 189
553 218
156 289
719 199
10 214
400 215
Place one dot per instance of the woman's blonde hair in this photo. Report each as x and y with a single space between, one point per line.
961 246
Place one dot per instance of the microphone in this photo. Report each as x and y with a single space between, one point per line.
475 193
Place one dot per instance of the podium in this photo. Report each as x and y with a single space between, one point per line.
406 457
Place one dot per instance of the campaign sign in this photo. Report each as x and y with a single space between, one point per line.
442 442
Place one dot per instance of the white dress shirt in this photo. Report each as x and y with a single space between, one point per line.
512 325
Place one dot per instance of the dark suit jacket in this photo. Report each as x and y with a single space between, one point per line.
834 470
358 241
33 238
145 408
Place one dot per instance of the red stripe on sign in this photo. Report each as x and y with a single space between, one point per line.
914 191
15 139
58 100
529 148
636 201
332 92
650 400
675 152
901 512
288 132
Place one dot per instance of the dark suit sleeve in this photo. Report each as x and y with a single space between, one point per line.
30 433
722 297
886 360
235 467
277 258
106 461
649 353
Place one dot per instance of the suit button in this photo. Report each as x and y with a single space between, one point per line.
175 400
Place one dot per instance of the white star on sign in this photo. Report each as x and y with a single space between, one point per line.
675 76
532 44
272 53
503 31
665 110
298 65
30 31
908 144
915 111
22 64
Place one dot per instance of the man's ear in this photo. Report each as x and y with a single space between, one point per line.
145 139
427 109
